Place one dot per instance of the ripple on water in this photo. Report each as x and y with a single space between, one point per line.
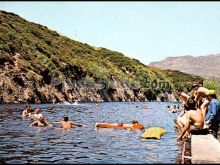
21 144
16 162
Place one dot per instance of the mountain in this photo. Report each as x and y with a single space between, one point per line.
204 66
39 65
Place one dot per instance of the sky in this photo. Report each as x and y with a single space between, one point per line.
147 31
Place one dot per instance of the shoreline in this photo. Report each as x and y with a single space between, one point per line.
98 102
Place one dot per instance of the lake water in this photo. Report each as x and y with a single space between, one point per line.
22 144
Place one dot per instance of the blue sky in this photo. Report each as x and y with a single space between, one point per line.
147 31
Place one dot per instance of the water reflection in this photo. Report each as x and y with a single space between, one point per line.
21 144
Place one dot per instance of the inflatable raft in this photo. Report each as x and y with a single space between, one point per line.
119 125
153 133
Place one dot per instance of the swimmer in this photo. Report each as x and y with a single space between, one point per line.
201 94
133 126
27 111
36 114
173 109
40 122
66 123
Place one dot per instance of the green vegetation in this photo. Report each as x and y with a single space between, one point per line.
213 84
46 53
182 80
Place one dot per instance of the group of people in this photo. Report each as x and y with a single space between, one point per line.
143 107
201 112
173 109
40 121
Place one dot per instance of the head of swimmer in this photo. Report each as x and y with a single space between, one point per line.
28 107
134 121
65 118
37 111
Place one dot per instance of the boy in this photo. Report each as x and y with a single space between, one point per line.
66 124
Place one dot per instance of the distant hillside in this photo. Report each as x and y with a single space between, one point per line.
40 65
205 66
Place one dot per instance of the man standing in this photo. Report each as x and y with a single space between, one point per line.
183 96
181 118
200 95
212 117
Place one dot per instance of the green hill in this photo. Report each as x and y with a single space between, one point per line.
38 65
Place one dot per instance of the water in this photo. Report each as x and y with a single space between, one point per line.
22 144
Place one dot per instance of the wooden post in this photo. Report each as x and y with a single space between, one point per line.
183 152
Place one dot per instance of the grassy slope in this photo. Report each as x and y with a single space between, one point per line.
46 52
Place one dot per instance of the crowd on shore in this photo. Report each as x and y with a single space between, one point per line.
200 113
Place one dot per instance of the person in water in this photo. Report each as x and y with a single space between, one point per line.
27 111
146 107
40 122
36 114
66 123
173 109
134 125
97 105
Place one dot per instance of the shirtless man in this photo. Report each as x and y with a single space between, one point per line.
134 125
183 96
200 95
27 111
181 118
194 120
36 114
40 122
66 124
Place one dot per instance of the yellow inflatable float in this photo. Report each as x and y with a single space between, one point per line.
153 133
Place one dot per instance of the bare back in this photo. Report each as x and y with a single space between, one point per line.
201 92
196 117
67 125
26 113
